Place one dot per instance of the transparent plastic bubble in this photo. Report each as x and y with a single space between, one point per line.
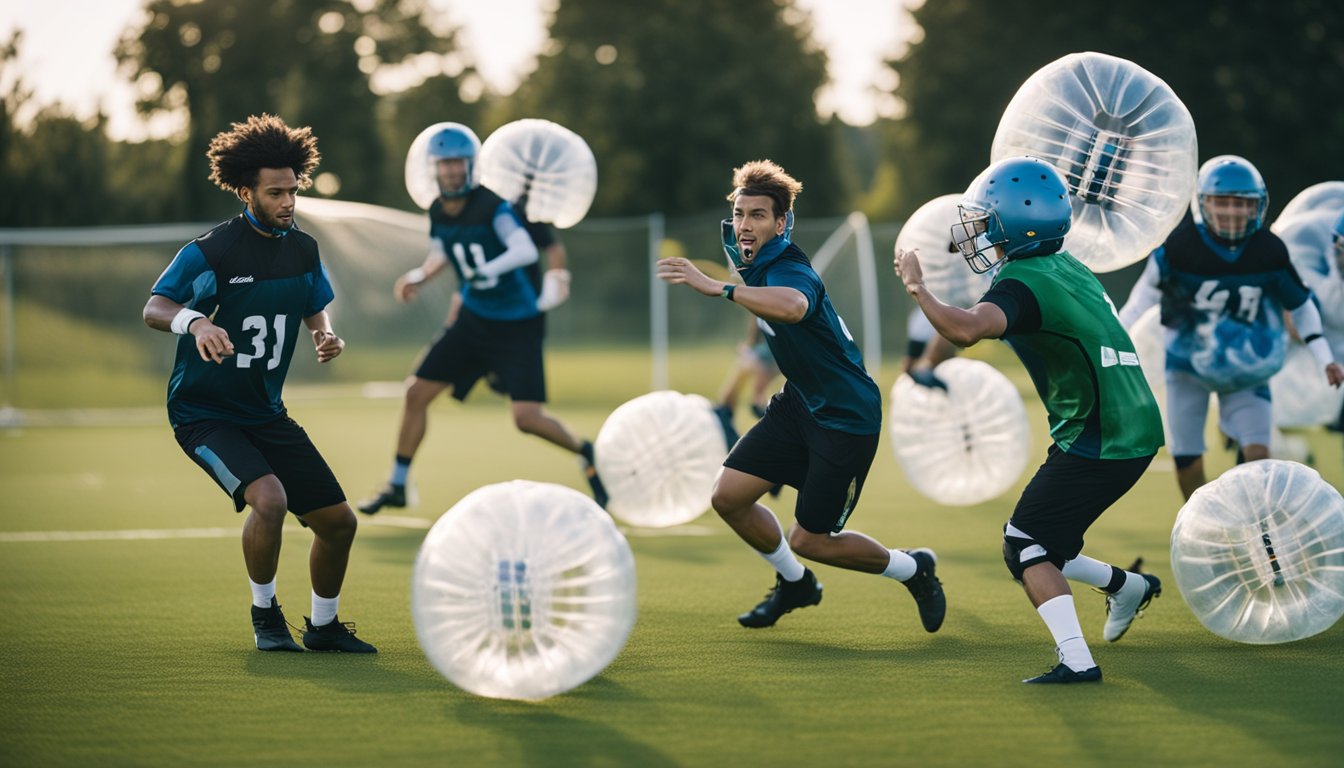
421 183
946 272
1325 196
1258 554
1124 142
523 590
1149 339
658 456
963 446
545 161
1309 237
1301 394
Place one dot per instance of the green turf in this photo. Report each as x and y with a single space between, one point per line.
139 652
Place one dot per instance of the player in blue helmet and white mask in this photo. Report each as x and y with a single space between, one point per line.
1055 315
1224 281
497 330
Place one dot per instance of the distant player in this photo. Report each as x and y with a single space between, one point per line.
497 333
236 297
820 432
1223 282
1104 421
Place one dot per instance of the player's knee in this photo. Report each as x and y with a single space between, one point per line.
804 543
1019 554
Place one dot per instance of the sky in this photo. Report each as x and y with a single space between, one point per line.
73 63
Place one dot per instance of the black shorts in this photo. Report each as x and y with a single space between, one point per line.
508 351
236 455
1067 494
827 466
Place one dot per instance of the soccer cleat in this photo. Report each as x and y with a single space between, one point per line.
782 598
1062 674
927 590
1128 603
725 415
589 466
337 636
390 496
270 630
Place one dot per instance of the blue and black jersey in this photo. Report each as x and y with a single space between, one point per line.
1226 305
475 236
817 356
258 289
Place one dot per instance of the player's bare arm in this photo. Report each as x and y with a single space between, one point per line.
408 284
212 342
774 303
963 327
325 341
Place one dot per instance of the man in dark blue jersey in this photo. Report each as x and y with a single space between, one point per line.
235 297
1223 281
820 433
497 330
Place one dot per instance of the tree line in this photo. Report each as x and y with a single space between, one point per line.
670 94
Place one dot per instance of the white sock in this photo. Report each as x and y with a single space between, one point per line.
901 566
784 562
324 610
262 593
1093 573
1062 620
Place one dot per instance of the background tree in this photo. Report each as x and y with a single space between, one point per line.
309 61
672 94
1261 80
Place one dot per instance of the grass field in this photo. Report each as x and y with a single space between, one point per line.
138 651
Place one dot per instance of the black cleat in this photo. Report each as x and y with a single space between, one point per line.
730 435
927 590
1062 674
782 598
390 496
270 630
336 636
589 466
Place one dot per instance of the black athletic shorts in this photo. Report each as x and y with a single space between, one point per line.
827 466
1067 494
508 351
235 455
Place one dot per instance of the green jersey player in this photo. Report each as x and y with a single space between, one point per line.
1103 418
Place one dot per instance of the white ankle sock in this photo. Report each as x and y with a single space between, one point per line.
784 562
324 610
901 566
262 593
1062 620
1093 573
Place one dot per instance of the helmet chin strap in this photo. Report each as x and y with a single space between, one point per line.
273 231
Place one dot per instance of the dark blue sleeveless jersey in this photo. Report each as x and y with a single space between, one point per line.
1226 305
817 356
259 290
474 237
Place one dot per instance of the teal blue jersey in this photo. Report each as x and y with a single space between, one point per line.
475 236
258 289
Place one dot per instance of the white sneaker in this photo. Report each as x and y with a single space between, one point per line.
1123 606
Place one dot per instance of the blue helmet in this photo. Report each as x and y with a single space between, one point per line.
1019 203
453 141
1229 176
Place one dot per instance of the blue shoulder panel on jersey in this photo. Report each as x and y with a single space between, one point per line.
322 292
188 280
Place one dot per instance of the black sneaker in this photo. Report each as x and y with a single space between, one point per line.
390 496
336 636
1062 674
589 466
927 590
270 630
730 435
782 598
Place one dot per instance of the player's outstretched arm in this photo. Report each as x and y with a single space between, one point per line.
774 303
962 327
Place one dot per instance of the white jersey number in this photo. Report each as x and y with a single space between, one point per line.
258 323
1214 301
471 268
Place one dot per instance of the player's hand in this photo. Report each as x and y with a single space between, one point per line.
680 271
328 345
1334 373
405 288
908 269
925 377
554 289
212 342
